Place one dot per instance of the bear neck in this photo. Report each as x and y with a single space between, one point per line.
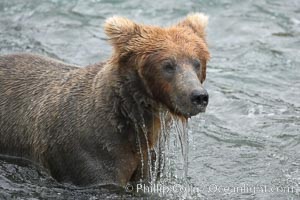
133 108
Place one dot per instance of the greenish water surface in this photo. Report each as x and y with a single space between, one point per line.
250 135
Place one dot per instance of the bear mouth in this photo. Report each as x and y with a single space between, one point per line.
186 110
190 114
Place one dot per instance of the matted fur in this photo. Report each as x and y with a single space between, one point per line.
86 124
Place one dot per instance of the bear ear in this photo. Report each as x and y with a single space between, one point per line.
120 30
197 22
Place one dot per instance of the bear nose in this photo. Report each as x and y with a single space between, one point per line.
199 97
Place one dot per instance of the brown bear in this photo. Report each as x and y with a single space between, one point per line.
85 124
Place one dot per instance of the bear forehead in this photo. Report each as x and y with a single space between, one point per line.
175 42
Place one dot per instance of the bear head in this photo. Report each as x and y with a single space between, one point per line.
170 61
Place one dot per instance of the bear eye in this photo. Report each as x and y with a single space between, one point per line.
196 64
169 67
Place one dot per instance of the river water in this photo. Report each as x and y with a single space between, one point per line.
247 144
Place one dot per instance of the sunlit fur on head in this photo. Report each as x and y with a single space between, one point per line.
197 22
127 36
145 47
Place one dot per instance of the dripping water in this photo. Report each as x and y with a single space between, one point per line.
161 146
145 131
141 154
172 145
173 136
180 126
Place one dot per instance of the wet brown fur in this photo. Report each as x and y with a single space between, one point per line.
82 124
